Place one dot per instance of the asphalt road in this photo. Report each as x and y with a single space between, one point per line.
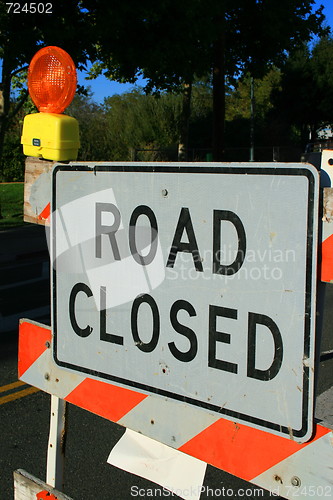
24 276
24 415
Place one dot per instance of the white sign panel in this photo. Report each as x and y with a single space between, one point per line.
194 282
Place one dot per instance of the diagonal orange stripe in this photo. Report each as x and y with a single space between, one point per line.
104 399
327 259
240 450
32 343
45 213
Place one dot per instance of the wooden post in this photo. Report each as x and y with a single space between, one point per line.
37 190
27 487
37 198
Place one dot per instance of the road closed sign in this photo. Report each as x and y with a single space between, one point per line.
194 283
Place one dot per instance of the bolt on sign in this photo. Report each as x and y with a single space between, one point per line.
191 282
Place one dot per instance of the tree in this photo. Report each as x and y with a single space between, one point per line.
12 154
138 125
305 99
170 42
22 35
94 128
142 122
238 97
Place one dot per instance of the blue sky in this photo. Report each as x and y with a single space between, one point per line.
328 11
101 87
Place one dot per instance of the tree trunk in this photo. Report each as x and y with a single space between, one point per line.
184 122
305 136
4 112
5 107
219 94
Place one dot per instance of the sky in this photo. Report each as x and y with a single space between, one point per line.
101 87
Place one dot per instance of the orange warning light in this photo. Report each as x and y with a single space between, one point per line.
52 79
51 134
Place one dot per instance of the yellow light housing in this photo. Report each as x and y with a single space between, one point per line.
51 82
50 136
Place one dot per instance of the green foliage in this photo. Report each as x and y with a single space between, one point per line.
11 202
138 121
305 99
170 42
134 122
322 70
291 102
94 135
200 123
174 45
127 125
238 99
13 159
21 35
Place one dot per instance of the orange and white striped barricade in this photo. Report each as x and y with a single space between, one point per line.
37 190
127 238
326 177
27 487
326 236
278 464
269 215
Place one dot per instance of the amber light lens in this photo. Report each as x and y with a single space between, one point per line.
52 80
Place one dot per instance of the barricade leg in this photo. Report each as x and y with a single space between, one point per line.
56 445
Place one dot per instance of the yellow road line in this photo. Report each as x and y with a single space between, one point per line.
13 385
18 395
